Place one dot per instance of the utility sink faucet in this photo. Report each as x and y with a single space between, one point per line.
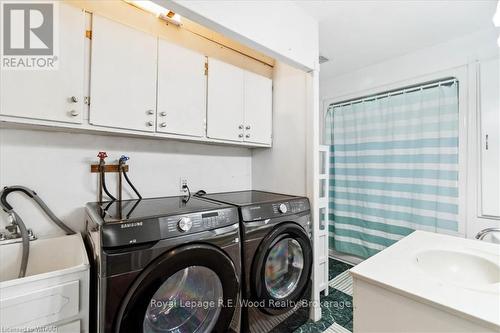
12 234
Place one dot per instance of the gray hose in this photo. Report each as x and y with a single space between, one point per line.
26 242
54 218
20 223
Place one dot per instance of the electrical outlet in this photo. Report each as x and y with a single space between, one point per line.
183 182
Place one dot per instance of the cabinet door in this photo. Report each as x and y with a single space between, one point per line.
181 90
490 137
48 94
258 108
123 76
225 101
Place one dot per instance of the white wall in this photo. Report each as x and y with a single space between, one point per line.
57 166
283 167
454 53
443 58
277 28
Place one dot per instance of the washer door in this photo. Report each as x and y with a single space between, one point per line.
282 268
190 289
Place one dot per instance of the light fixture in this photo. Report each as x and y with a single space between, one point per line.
496 17
160 12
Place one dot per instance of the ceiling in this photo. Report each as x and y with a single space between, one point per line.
358 33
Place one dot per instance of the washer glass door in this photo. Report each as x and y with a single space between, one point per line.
283 268
188 301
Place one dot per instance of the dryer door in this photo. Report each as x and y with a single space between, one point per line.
189 289
281 268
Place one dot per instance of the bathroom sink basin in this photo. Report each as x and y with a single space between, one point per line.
432 283
457 267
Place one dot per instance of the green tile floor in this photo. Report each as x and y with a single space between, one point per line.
336 308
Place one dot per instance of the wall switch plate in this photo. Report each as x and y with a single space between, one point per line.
183 182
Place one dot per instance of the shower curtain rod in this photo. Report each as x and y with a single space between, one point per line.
398 91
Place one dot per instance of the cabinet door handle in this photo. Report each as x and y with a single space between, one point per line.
150 112
247 136
163 114
486 141
240 135
74 99
240 127
163 125
74 113
247 127
150 123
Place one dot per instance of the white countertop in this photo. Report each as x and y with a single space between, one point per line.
397 268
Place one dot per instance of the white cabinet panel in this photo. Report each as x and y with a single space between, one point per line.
258 108
490 137
225 101
47 94
41 307
123 76
181 90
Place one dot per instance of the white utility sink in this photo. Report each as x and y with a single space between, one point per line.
47 256
55 290
458 267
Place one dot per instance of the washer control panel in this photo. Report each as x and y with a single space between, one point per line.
185 224
196 222
214 219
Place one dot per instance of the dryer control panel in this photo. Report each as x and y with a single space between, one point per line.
275 209
294 207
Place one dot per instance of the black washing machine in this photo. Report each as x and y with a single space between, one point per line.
276 259
165 265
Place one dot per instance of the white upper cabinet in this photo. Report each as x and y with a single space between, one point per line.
239 104
489 94
136 81
55 95
225 101
182 90
123 76
258 108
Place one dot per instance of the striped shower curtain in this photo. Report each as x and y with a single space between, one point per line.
393 167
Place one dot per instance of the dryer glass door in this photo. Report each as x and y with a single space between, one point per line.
282 268
188 301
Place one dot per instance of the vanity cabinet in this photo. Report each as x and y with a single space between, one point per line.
489 112
50 95
181 95
428 282
239 104
123 76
